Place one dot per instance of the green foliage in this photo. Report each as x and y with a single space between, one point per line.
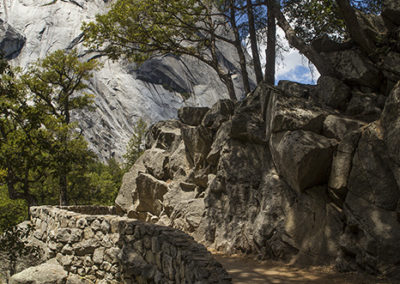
135 146
21 137
314 18
104 182
57 82
139 29
56 85
12 212
14 243
41 150
94 183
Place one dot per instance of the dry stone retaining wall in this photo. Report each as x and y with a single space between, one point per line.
120 249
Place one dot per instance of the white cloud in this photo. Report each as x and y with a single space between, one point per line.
291 65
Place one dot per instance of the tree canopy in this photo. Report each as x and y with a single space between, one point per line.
140 29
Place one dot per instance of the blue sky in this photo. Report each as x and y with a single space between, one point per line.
291 65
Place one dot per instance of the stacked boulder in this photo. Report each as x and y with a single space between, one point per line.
288 173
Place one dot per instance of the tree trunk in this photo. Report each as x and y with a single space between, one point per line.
270 52
63 186
324 67
225 77
227 80
239 49
353 27
63 169
253 42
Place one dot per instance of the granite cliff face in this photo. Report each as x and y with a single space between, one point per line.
276 175
300 173
123 91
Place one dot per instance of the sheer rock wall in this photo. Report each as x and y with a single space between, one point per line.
281 175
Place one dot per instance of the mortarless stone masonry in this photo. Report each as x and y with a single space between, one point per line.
112 249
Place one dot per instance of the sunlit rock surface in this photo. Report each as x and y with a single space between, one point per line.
123 91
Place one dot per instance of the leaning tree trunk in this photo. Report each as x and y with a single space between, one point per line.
239 49
308 51
253 42
270 52
354 29
225 77
228 82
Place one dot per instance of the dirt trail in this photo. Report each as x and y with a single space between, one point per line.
247 270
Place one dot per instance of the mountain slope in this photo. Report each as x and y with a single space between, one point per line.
123 91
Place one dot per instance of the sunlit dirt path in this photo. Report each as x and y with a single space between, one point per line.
248 270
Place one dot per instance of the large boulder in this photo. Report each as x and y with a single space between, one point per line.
149 194
303 158
192 115
156 161
391 124
124 201
183 208
198 142
164 135
391 68
332 92
303 229
47 273
220 139
219 112
231 196
372 229
178 165
294 89
355 69
341 167
365 106
371 176
248 123
291 113
391 11
337 127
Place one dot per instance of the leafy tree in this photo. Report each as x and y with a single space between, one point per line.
56 85
337 19
140 29
21 139
312 19
105 182
135 146
12 212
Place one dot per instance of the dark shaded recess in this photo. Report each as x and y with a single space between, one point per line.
11 42
164 72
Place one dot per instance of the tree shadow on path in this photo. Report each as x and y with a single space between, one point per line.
247 270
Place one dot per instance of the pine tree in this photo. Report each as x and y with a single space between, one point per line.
56 85
135 146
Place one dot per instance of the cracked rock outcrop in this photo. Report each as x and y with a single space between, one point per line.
280 175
